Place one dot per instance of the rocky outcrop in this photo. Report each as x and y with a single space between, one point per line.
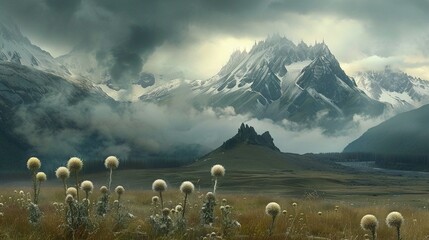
247 135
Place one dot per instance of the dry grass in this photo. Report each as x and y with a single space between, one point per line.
301 222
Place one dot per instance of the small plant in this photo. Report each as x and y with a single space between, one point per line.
272 209
74 165
217 171
369 223
155 204
186 188
228 224
40 177
84 206
120 215
162 225
63 173
103 203
395 220
207 211
33 164
159 186
35 215
71 218
87 187
111 163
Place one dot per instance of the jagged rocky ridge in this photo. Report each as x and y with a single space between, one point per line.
16 48
279 80
394 87
247 135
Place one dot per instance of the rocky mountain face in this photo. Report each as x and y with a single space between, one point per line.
279 80
247 135
405 133
397 88
16 48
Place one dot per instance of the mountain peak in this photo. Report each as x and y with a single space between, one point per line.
246 134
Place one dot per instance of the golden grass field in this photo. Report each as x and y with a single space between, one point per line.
300 222
250 183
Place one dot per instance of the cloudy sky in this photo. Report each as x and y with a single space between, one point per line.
197 36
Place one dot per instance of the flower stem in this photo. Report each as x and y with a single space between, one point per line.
34 188
184 206
398 229
38 192
65 187
162 202
215 186
110 178
272 226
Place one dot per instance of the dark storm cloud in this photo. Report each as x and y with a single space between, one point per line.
126 33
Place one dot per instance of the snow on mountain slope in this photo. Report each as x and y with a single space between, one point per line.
279 80
253 80
16 48
397 88
322 93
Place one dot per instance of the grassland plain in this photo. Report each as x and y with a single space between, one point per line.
331 200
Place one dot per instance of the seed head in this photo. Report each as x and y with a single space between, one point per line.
103 189
155 199
119 190
369 223
72 191
284 212
294 204
87 186
272 209
74 164
62 173
165 212
33 163
111 162
210 196
394 219
179 208
187 187
319 213
159 185
69 198
217 171
41 177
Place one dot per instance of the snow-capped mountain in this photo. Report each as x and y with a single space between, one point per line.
83 64
322 89
16 48
397 88
279 80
